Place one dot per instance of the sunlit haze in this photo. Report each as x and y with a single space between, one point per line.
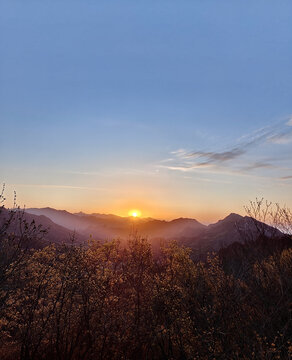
178 109
135 213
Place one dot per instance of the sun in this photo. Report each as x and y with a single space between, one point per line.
135 213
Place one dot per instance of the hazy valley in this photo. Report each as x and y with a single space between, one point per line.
189 232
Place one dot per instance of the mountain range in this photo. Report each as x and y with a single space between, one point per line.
233 228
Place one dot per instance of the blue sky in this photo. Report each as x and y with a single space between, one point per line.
174 107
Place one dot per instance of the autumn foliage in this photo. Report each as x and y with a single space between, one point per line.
108 301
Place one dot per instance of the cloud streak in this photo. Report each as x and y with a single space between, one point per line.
70 187
216 157
282 138
240 158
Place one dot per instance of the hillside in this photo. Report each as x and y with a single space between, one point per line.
53 233
233 228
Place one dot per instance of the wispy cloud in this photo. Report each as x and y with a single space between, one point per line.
282 138
242 157
90 173
48 186
178 152
214 157
258 165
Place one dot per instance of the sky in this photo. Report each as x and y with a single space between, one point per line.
175 108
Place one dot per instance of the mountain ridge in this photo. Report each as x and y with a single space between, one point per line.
188 231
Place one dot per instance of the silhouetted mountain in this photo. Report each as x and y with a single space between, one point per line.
100 216
83 224
60 217
54 233
190 232
233 228
103 227
173 229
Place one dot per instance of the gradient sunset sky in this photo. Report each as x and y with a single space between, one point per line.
175 108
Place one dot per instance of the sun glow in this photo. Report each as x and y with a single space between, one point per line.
135 213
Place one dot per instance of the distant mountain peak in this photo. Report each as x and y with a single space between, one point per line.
233 217
51 209
229 219
185 220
